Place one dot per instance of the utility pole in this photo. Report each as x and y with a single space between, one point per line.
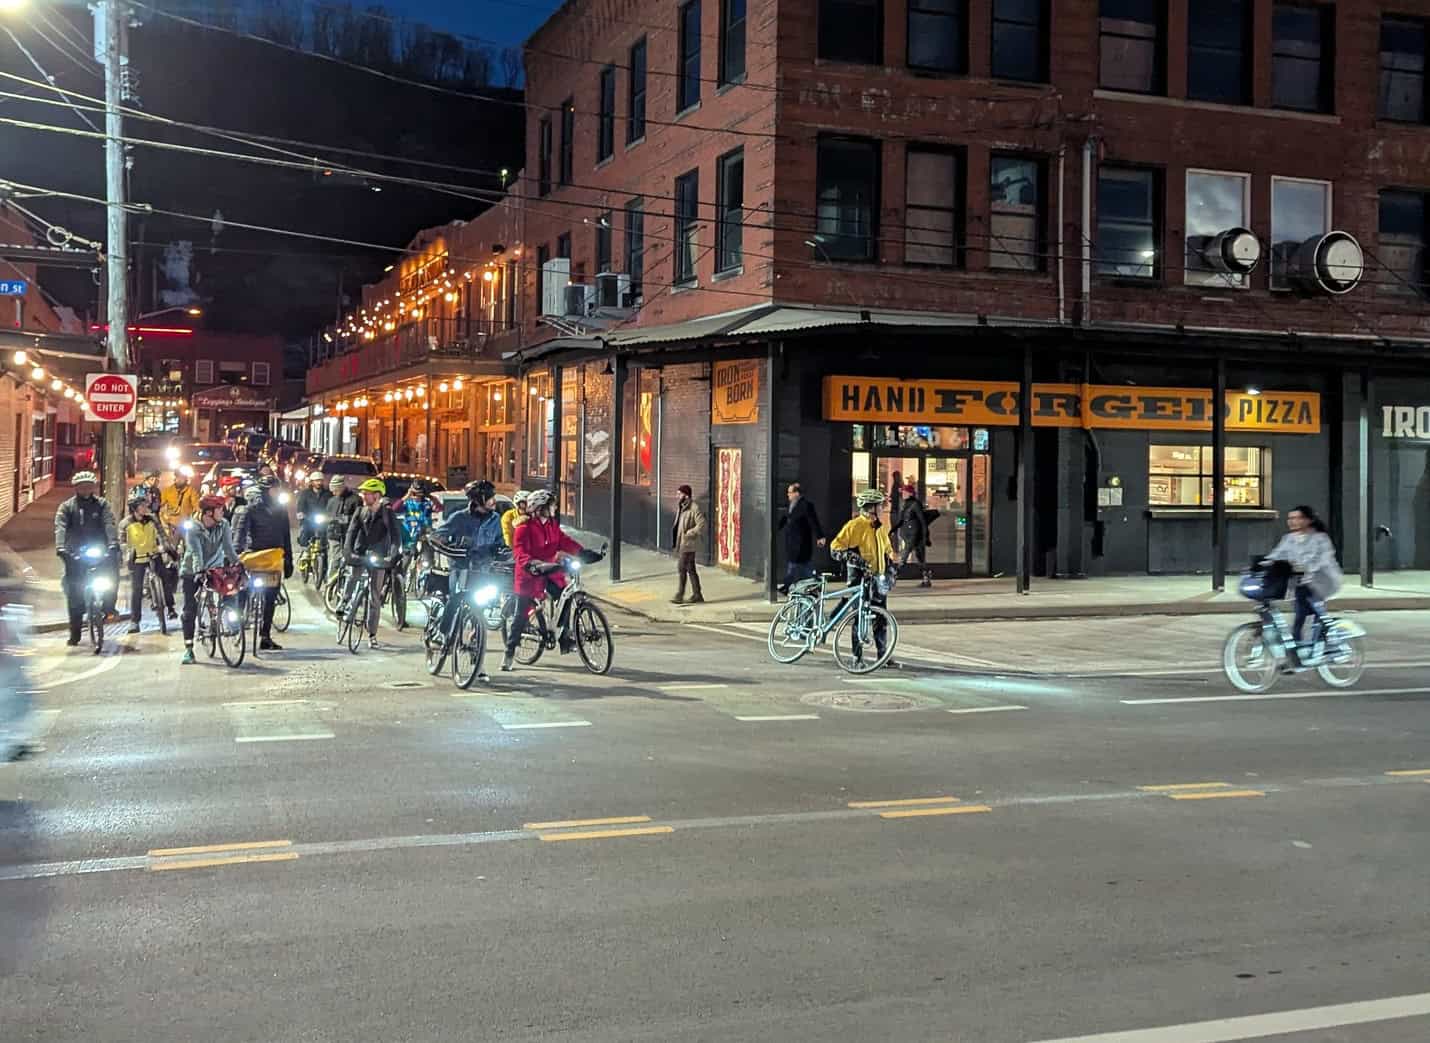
111 38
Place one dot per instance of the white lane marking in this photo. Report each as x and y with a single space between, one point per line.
284 738
109 659
1111 670
903 651
781 717
267 702
547 724
987 709
1340 694
1259 1026
689 687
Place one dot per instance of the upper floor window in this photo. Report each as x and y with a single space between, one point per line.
729 210
732 40
1127 232
1020 40
1131 45
568 140
1015 218
687 87
543 255
1302 57
1300 210
635 102
851 31
563 245
1216 203
932 204
1219 51
847 205
687 204
1402 69
603 243
606 128
635 244
543 158
260 374
1403 239
938 35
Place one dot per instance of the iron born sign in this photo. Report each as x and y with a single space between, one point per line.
991 403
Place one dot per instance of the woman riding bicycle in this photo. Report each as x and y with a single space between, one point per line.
537 544
1307 547
207 545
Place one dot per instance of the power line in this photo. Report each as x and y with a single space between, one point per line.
49 80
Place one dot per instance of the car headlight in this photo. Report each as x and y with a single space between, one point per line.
299 475
485 596
186 471
172 455
93 553
283 498
101 584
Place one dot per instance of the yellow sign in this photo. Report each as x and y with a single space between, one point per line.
995 403
735 392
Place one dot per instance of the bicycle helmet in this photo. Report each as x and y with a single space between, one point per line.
336 482
870 498
520 497
373 485
538 499
151 474
315 476
137 495
212 503
480 490
266 482
229 481
418 487
80 477
253 495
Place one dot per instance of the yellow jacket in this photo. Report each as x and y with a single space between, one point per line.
176 504
872 544
509 521
142 538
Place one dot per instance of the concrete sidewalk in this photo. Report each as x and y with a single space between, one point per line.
648 583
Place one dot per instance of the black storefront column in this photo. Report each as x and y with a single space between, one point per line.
555 462
1023 466
1219 476
772 472
618 437
1365 462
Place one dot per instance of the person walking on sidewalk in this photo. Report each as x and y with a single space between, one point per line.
85 520
802 534
147 547
687 534
265 527
208 544
912 527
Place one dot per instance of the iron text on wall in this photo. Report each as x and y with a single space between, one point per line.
735 392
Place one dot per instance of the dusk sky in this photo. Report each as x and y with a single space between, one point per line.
504 21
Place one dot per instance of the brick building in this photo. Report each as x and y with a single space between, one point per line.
1009 251
200 382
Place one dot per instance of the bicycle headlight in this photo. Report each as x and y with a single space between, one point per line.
93 553
574 564
259 583
101 584
172 455
186 471
374 560
230 616
299 475
186 524
320 519
485 595
283 499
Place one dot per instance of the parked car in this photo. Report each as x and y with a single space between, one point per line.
250 443
354 469
398 482
299 466
247 474
282 456
157 453
202 455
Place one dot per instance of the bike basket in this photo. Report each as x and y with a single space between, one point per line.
270 560
1266 584
227 580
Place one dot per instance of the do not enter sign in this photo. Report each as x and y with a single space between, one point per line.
111 397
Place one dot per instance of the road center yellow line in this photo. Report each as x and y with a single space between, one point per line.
1217 794
208 849
624 821
208 863
911 801
1410 771
602 834
1175 786
962 809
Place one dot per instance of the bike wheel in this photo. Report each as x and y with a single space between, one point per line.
436 655
254 622
397 599
1344 658
1249 664
333 592
357 619
533 639
156 595
856 633
792 631
232 643
283 610
593 637
469 648
208 623
495 614
96 625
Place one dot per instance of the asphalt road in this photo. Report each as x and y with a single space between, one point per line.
1005 840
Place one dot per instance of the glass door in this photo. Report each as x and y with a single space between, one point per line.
946 491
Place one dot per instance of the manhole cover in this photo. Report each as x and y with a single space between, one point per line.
868 701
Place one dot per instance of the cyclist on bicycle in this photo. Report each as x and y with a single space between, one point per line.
343 503
265 527
150 485
538 544
515 515
478 531
374 530
312 503
147 547
207 545
866 536
85 520
179 502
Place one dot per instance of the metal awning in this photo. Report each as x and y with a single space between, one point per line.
49 256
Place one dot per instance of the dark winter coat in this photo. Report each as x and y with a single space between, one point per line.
802 531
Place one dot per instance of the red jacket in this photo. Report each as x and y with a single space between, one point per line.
539 539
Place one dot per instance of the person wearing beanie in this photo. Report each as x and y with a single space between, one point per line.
687 536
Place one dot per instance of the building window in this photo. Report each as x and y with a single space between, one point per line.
204 372
635 245
848 199
1181 476
1131 45
1302 57
1127 232
42 448
729 209
1403 236
932 200
540 416
635 105
1402 69
603 243
852 31
938 35
606 128
543 160
543 255
1215 203
1300 210
260 374
640 400
563 245
732 40
1015 219
1020 40
568 140
687 202
687 87
1219 51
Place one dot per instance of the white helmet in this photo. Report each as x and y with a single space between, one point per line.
870 498
521 496
83 476
538 499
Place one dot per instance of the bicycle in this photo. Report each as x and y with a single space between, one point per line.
592 632
353 619
282 608
312 561
219 627
336 583
96 586
802 622
154 593
395 596
259 583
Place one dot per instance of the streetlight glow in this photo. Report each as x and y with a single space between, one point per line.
12 6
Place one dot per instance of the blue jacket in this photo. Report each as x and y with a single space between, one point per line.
479 533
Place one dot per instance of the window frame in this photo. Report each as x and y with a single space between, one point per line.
1158 42
687 81
832 12
1381 70
1278 179
635 245
538 439
1205 475
730 29
957 208
726 258
1044 43
870 255
959 19
1157 205
543 157
543 254
606 123
263 369
686 214
202 366
566 161
1325 62
641 392
1040 216
1409 289
1223 280
636 91
605 241
1247 54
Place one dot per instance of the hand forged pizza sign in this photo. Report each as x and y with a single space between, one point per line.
995 403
